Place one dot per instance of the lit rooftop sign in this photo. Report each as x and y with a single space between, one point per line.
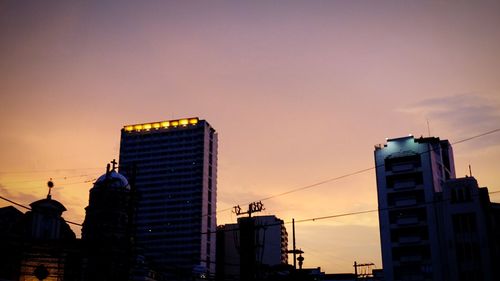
161 125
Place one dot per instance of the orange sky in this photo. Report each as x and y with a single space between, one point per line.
299 92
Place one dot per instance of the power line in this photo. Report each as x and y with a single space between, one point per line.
28 208
353 213
58 178
359 171
15 203
323 182
478 136
46 171
377 210
63 184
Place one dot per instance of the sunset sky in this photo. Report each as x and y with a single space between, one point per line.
298 91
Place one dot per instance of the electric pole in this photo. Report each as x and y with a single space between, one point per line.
366 267
248 262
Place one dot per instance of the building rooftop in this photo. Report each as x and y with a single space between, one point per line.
161 125
112 179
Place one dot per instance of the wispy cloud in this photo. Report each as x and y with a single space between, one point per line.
18 197
460 116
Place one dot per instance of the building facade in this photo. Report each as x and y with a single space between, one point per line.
249 249
39 244
410 172
173 168
470 233
433 226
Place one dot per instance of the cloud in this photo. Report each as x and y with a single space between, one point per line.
21 198
461 116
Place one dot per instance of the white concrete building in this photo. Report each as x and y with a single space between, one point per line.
410 171
433 226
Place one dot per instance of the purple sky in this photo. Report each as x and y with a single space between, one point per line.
299 92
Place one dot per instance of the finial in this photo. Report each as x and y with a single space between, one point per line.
50 184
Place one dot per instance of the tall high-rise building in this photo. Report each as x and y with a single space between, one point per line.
173 167
410 172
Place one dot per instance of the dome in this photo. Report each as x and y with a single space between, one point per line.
112 180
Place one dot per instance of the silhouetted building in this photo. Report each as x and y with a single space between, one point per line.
106 231
11 240
174 166
471 243
228 256
38 244
249 249
432 226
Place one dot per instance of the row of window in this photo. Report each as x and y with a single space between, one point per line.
162 156
163 136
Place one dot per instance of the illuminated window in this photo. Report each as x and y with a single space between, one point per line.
174 123
165 124
138 127
156 125
129 128
193 121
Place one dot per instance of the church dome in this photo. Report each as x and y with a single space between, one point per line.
113 180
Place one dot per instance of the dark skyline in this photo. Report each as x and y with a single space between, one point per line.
299 92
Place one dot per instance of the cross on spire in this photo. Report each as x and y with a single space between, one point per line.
114 164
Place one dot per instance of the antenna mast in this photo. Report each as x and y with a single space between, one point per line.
428 128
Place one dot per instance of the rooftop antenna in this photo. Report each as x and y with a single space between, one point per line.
50 185
470 171
428 128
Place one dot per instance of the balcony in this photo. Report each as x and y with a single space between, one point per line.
407 221
409 239
403 167
404 185
411 258
405 202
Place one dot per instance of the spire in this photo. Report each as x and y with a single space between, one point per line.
50 184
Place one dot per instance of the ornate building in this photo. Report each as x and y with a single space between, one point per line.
39 244
106 231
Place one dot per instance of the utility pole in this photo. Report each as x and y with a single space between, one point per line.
248 263
366 266
252 208
294 249
355 270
